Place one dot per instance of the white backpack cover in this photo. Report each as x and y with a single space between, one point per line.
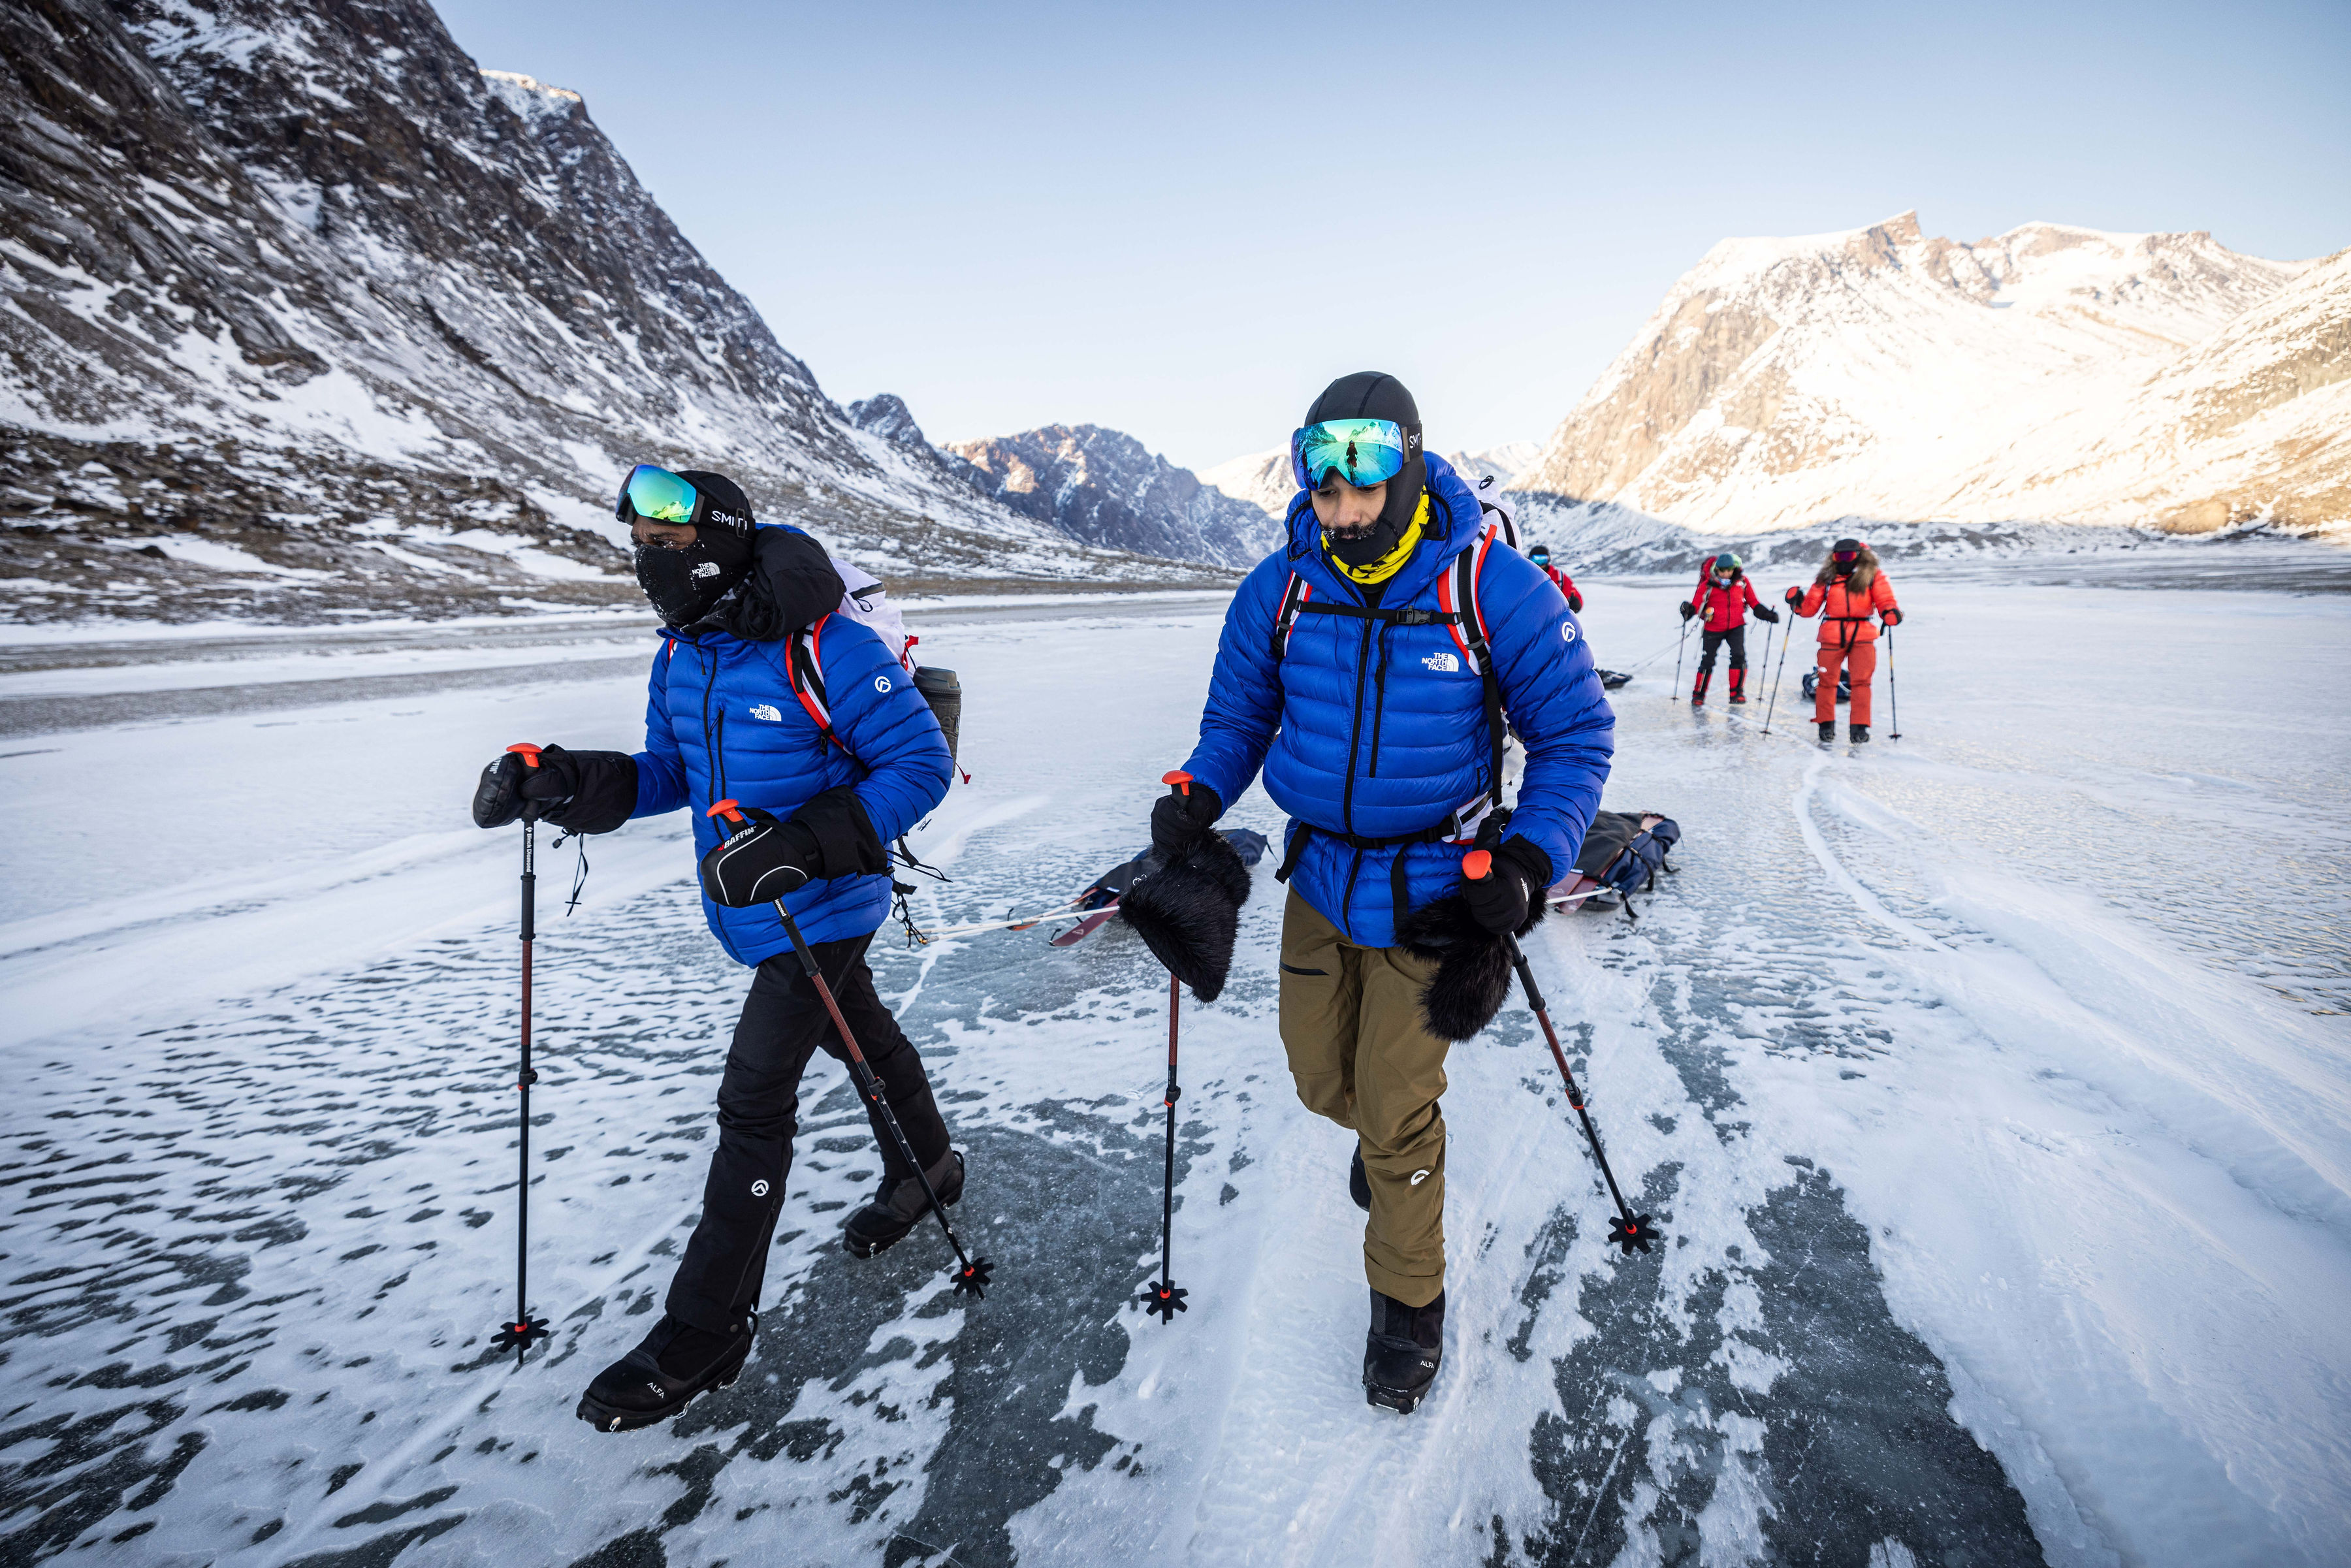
867 602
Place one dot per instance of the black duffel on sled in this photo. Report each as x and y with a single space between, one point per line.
1813 685
1623 853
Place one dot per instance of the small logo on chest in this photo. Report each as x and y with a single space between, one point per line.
1443 663
771 715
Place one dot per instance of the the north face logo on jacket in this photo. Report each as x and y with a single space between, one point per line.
762 710
1443 663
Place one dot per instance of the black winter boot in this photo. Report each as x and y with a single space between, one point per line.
1828 729
898 1204
1359 1186
1856 733
1401 1355
661 1375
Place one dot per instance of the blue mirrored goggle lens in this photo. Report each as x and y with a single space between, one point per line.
1363 451
658 495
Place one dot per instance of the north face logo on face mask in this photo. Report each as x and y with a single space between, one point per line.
1443 663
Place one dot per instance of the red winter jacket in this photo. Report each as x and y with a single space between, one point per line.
1725 608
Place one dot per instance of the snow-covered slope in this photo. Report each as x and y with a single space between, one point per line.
1103 487
2049 373
1261 478
301 290
1500 463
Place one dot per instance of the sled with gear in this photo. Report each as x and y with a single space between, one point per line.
1623 853
1813 685
1611 679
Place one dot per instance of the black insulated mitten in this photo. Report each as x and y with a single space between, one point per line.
1688 610
760 863
1498 901
1179 820
1765 612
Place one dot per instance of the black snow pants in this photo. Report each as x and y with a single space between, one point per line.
1710 644
783 1024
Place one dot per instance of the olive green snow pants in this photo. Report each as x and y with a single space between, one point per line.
1351 1024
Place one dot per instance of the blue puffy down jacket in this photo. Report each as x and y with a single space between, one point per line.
1379 730
721 721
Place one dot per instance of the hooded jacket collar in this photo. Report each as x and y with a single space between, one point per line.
1452 527
791 584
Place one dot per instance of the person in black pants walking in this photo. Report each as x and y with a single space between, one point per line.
1724 597
739 711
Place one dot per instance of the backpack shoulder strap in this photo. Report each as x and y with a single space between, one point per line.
1295 593
1457 593
804 669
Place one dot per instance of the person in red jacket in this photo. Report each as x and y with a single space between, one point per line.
1724 596
1540 556
1847 591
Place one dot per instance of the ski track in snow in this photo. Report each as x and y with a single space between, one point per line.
2002 1161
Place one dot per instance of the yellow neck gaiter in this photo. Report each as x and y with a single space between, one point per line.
1388 565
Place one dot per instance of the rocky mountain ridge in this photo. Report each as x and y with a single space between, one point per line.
2051 373
1103 487
304 316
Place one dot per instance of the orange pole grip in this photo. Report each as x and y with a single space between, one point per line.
1477 864
528 752
730 810
1181 779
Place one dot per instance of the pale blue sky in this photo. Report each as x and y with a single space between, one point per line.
1182 221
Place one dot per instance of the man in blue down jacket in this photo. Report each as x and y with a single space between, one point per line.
1370 722
722 720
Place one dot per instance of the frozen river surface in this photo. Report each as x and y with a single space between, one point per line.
1993 1086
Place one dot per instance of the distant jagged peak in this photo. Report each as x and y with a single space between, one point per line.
532 99
885 414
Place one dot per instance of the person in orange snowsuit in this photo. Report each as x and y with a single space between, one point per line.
1849 590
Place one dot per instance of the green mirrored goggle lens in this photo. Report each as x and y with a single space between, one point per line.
1363 451
657 495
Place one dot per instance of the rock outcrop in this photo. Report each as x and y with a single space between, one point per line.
302 286
1103 487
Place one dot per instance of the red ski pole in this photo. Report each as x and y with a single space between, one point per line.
969 1275
1627 1229
520 1334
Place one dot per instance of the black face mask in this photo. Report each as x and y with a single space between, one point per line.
684 585
1369 547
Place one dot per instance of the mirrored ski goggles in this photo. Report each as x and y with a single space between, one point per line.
658 495
1363 451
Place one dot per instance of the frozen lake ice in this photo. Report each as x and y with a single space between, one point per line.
1993 1087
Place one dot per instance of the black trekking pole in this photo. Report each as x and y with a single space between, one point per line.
1162 1296
969 1275
1769 627
1680 648
1773 707
1893 691
519 1334
1627 1229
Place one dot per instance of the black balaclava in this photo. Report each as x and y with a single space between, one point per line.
685 584
1368 394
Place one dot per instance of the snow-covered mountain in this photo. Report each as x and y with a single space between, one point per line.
1500 463
1261 478
2047 374
1105 488
305 314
